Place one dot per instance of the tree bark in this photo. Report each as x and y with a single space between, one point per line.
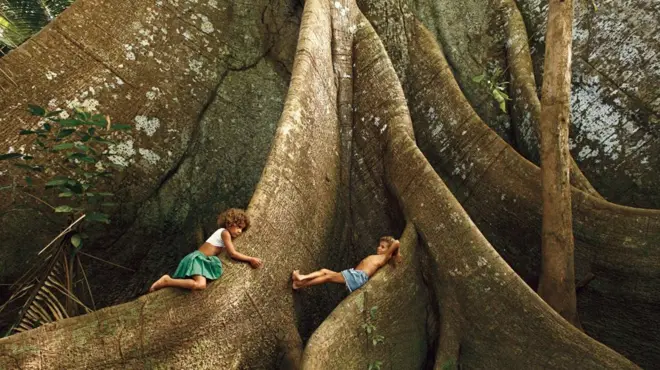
557 280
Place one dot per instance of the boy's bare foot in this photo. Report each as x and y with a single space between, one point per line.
159 284
295 276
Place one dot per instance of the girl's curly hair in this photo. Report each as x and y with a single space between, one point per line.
234 216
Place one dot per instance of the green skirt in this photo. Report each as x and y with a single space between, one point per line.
197 263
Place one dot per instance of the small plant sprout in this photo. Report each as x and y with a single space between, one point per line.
490 80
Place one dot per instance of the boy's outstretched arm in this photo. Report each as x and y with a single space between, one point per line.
233 253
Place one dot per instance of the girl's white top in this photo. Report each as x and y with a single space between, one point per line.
216 238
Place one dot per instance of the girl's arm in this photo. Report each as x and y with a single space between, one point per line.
233 253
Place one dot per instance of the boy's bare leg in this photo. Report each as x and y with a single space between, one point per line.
296 276
196 283
327 277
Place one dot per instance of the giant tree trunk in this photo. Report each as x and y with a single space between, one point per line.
502 193
453 299
557 279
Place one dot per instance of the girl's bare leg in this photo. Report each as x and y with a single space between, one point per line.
197 282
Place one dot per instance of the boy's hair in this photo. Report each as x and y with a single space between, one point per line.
234 216
388 239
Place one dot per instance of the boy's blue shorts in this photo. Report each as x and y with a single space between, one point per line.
354 278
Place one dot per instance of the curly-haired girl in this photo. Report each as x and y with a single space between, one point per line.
203 264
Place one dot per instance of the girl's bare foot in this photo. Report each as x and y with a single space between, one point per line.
295 276
159 284
295 285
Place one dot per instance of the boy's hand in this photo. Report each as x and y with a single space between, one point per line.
256 263
398 258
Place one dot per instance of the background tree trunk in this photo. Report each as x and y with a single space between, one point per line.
557 279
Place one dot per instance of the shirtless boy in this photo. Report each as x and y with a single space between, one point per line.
388 247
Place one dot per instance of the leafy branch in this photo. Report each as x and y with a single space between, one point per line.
491 81
374 338
70 167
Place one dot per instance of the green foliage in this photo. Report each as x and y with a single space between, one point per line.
81 142
20 19
490 80
71 164
372 312
375 365
374 338
449 364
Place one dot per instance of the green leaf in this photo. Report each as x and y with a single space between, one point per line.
76 240
98 217
53 113
373 311
102 140
375 365
87 159
65 194
42 145
28 157
81 157
69 122
36 110
46 126
500 99
479 78
28 180
65 132
99 118
57 181
121 126
28 167
26 132
91 130
10 156
63 209
82 147
74 186
63 146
